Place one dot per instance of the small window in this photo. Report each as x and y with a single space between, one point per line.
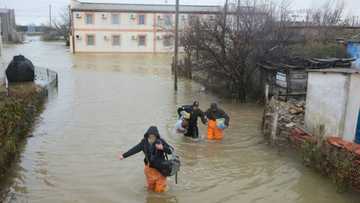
168 20
193 18
115 19
141 19
116 40
183 18
142 40
90 40
89 19
168 40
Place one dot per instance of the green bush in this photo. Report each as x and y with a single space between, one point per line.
17 115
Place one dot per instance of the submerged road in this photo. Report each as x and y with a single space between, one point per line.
104 104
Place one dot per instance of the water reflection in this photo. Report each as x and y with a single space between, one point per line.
106 102
156 198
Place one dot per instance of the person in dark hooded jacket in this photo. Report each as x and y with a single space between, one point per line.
154 148
217 121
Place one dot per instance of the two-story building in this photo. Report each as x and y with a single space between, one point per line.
148 28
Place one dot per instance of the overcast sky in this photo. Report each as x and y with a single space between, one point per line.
37 11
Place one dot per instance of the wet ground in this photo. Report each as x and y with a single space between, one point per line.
104 104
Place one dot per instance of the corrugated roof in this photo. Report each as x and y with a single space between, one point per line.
158 8
336 70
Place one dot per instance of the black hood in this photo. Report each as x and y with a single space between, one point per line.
213 107
152 130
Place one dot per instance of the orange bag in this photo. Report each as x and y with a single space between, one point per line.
155 181
214 133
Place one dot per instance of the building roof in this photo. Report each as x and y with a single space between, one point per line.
5 10
336 70
154 8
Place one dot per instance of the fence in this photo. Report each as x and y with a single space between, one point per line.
43 76
46 76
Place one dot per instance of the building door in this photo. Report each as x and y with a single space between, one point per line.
357 136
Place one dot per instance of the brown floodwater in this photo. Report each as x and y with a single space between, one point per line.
104 104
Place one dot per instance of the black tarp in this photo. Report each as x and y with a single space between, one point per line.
20 69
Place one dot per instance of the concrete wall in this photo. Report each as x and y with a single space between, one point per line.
353 107
8 26
154 29
2 62
326 101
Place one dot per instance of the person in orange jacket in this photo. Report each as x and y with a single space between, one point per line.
154 149
218 120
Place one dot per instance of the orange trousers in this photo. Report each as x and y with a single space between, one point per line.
155 181
214 133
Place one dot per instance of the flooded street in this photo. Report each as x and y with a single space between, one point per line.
104 104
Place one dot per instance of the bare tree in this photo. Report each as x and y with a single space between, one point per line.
62 25
228 50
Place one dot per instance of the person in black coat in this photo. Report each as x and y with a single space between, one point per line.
195 113
155 149
215 114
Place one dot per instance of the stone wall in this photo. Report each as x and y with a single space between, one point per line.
280 118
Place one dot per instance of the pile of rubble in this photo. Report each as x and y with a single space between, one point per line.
280 118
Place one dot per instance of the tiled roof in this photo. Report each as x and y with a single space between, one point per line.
158 8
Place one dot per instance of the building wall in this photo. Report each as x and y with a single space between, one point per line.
8 26
155 30
353 107
326 101
2 62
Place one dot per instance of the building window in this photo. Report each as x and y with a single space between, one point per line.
116 40
141 19
90 40
142 40
89 19
211 17
193 18
168 20
183 17
168 40
115 19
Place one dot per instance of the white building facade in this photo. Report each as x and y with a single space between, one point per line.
333 101
128 28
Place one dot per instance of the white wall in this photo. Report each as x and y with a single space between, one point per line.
126 22
353 107
103 42
326 101
3 65
127 28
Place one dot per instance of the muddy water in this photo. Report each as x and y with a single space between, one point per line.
103 106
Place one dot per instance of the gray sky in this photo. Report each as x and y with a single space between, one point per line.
37 11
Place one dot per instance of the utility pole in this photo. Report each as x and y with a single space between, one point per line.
50 23
176 44
224 30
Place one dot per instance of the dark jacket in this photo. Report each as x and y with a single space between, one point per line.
151 153
194 114
216 113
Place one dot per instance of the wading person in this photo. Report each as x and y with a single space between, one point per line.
155 150
195 113
218 120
